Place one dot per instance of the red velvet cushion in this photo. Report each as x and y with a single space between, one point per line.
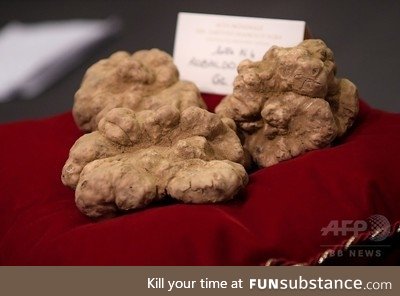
279 215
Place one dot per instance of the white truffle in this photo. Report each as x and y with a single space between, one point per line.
145 80
136 158
290 102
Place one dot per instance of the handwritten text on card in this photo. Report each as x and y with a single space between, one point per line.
208 48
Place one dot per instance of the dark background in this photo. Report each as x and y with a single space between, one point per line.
364 36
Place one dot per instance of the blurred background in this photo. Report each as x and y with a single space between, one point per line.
364 36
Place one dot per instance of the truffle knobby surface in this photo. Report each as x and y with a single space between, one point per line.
135 158
290 102
144 80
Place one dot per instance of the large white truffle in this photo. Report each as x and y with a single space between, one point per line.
136 158
144 80
290 102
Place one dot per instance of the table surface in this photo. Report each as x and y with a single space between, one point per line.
362 34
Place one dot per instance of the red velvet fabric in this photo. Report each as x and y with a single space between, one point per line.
279 215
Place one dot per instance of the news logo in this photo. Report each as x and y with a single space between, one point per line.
379 226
